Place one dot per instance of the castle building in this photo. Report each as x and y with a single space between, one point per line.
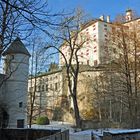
14 83
97 52
94 48
97 49
47 89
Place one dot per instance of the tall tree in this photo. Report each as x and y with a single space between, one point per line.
72 41
21 18
125 40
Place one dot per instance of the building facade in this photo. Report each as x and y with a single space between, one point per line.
47 90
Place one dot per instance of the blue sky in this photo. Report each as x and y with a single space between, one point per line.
96 8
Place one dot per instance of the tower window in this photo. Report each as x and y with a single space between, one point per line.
20 104
20 123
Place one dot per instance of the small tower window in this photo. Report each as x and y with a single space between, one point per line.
20 104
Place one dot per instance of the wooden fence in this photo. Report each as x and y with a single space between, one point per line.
58 136
25 134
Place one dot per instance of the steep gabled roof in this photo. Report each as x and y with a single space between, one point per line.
16 47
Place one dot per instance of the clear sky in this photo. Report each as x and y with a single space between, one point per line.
96 8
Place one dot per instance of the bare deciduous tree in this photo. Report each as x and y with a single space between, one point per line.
127 45
72 41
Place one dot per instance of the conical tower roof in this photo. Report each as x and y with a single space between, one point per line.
16 47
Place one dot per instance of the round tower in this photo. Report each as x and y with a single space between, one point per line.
16 68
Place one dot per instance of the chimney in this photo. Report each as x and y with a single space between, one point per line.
101 17
108 19
128 16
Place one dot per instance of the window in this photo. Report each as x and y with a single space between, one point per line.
95 62
39 88
20 104
46 87
87 62
51 86
56 86
20 123
30 89
46 79
42 87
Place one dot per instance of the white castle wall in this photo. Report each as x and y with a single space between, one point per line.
16 87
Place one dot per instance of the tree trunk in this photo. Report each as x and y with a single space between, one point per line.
76 111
